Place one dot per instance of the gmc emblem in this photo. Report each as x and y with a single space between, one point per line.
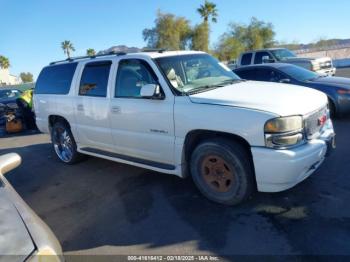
322 120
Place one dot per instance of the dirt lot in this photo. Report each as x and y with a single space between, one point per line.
101 207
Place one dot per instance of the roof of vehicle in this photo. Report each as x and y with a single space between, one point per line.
151 53
265 49
270 65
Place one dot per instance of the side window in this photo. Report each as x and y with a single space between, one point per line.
259 57
246 59
248 74
131 76
94 80
55 79
267 75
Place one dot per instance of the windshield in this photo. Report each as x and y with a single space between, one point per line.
188 73
9 93
283 54
299 73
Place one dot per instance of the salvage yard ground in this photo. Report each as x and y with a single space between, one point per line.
102 207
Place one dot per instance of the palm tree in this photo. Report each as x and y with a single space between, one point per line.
208 10
90 52
4 62
67 47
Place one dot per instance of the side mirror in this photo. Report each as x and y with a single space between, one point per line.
285 81
266 59
9 162
151 91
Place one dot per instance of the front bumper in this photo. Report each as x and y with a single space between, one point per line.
279 170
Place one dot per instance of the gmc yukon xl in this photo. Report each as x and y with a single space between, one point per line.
186 114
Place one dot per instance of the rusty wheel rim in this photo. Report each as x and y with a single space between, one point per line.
217 174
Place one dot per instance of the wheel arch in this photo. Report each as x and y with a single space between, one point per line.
52 119
195 137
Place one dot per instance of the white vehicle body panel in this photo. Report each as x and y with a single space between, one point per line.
142 131
280 99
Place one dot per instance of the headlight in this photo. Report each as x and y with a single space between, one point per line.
45 255
284 132
315 66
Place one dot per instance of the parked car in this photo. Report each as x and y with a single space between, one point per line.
322 65
23 235
184 113
8 98
337 89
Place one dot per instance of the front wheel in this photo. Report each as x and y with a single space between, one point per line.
64 144
332 109
222 171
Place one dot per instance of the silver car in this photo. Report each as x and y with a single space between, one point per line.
23 235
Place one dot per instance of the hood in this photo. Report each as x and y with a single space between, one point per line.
334 81
14 237
319 60
280 99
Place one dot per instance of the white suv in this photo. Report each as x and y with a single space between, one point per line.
184 113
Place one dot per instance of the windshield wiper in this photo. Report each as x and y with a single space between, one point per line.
203 89
232 81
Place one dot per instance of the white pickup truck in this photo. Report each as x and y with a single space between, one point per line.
322 65
184 113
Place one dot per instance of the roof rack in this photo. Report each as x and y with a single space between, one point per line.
159 50
71 59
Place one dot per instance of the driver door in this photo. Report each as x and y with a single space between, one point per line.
142 129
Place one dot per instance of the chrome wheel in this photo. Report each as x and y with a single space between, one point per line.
63 144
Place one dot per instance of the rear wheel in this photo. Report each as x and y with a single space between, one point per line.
222 171
64 144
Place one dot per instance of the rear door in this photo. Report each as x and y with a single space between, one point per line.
92 105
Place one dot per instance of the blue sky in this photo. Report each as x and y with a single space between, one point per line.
31 31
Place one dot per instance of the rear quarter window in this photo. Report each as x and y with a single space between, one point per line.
246 59
55 79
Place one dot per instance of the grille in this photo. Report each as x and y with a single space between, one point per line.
326 65
312 123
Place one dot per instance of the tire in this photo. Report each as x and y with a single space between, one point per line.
332 109
64 144
222 171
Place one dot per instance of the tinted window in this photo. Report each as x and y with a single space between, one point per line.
132 75
259 57
55 79
246 59
248 74
94 79
261 74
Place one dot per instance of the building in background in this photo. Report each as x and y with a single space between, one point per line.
7 79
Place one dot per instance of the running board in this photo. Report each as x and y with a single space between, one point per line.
128 158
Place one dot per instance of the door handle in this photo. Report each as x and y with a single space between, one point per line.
80 108
116 109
